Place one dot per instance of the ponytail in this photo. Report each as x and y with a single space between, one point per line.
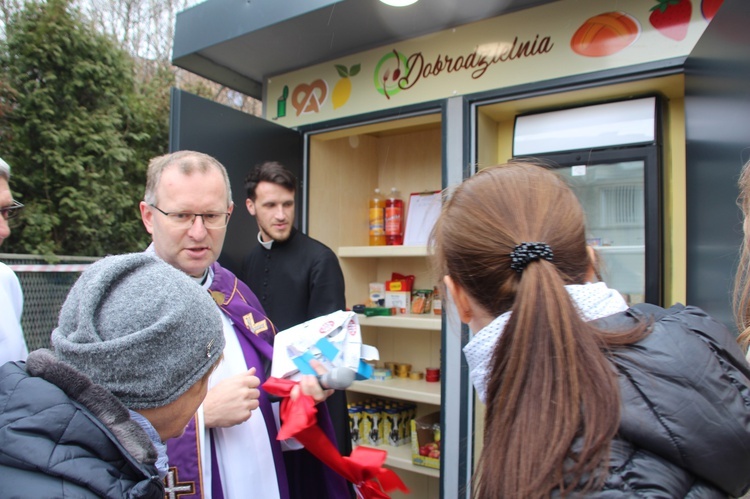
551 385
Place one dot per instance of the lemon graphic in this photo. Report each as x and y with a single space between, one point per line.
341 92
343 88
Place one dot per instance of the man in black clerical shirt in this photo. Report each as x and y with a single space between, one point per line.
295 277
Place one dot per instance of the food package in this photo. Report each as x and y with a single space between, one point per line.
400 300
377 294
425 440
421 301
399 282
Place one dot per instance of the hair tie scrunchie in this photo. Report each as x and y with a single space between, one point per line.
524 253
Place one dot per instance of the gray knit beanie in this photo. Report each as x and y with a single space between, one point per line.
139 327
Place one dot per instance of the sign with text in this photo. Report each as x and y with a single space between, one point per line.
559 39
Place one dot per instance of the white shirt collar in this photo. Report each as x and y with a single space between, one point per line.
207 277
594 301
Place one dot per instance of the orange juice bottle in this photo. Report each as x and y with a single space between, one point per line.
377 220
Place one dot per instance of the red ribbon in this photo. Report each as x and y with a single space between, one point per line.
364 468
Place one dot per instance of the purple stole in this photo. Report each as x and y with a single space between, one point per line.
255 333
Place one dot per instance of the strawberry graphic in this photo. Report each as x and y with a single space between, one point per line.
671 17
709 8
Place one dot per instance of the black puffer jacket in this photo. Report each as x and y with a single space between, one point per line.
63 436
685 422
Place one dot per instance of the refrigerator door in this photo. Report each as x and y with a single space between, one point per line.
619 189
612 195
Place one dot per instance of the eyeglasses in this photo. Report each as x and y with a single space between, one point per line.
186 220
12 211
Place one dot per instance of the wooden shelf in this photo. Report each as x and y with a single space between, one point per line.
401 389
400 458
349 162
381 251
428 322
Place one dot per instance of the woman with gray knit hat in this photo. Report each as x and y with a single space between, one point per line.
128 371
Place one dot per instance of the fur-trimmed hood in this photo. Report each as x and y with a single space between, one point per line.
63 435
97 399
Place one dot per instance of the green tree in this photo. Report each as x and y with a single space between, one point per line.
78 131
147 136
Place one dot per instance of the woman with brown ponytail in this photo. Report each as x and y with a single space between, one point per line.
742 282
584 397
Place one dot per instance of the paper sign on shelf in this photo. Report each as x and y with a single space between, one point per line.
335 340
424 209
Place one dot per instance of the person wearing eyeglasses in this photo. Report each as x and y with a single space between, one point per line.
230 448
12 343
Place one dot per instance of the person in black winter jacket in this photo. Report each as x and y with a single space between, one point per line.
135 343
584 396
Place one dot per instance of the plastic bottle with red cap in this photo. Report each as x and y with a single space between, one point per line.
394 219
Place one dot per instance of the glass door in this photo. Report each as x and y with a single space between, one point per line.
618 189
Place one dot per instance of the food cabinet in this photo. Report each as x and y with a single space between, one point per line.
345 166
327 74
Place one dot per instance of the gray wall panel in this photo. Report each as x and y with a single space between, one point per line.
717 110
239 141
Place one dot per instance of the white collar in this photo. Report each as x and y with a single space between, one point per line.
594 301
205 279
265 244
